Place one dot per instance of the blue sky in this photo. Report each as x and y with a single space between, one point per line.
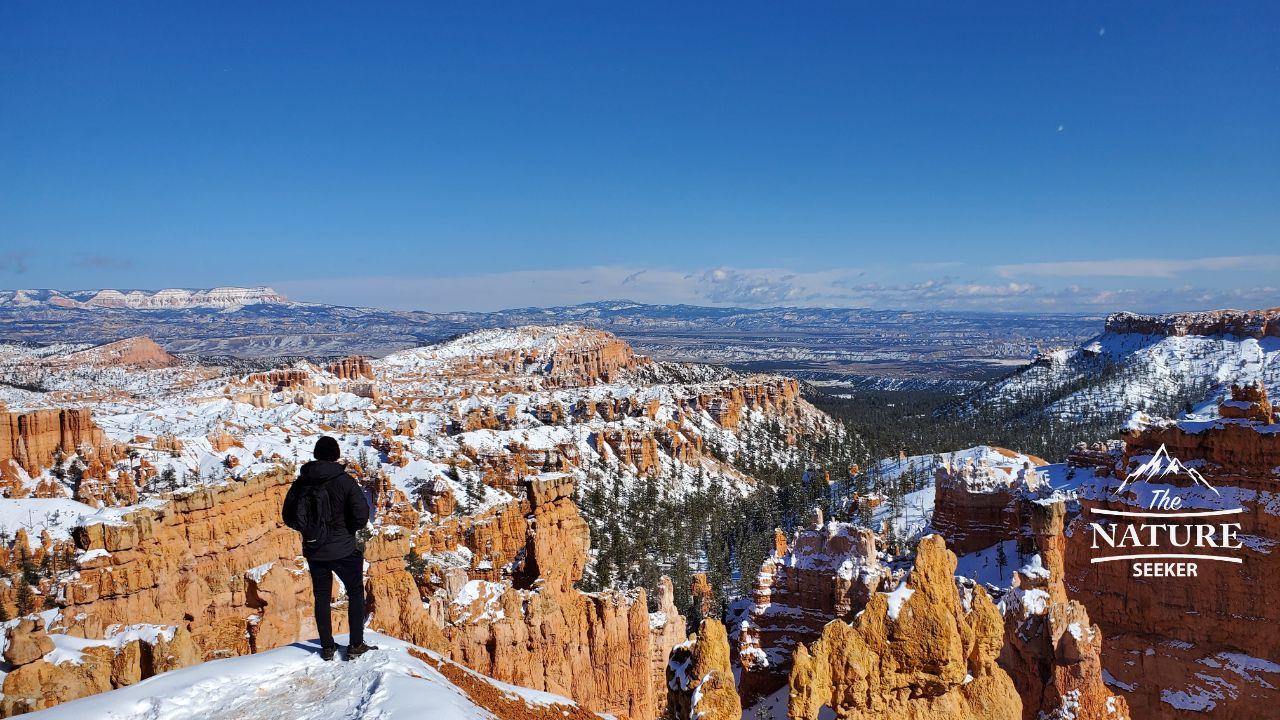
1068 156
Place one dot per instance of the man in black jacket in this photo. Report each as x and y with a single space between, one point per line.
336 552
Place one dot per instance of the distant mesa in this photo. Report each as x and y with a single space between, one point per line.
222 298
1240 323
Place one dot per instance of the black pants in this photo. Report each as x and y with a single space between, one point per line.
350 570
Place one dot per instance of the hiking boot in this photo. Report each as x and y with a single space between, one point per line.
327 653
355 651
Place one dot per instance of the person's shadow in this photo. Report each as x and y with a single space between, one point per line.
311 646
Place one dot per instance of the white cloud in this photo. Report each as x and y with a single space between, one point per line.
1139 267
763 287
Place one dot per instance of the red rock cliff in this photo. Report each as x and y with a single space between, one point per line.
1241 323
1189 642
31 438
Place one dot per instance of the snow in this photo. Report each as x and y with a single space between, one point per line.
1182 700
1111 681
257 573
898 598
57 515
984 565
93 554
1143 372
293 682
1035 568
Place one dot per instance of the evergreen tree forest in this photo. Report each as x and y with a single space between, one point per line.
645 530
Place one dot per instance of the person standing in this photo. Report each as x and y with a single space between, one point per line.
327 507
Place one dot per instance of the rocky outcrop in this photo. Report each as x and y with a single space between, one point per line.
976 504
32 439
829 571
1051 650
927 650
1173 641
1249 402
540 632
191 561
354 367
700 679
135 654
1240 323
727 403
136 352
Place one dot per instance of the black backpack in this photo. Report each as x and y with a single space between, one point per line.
314 513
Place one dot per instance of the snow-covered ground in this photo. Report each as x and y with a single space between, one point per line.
293 683
57 515
432 386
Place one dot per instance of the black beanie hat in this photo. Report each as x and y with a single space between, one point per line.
326 449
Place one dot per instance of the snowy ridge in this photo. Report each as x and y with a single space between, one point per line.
392 683
222 298
1114 375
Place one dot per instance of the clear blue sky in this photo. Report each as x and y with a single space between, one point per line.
468 155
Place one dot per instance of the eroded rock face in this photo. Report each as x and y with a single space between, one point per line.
1241 323
352 368
1051 650
700 678
30 439
825 573
1175 640
976 504
926 651
37 684
541 632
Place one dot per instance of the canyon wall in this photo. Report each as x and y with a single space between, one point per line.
30 440
1189 645
601 649
1240 323
1051 650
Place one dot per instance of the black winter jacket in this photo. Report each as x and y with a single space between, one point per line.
346 499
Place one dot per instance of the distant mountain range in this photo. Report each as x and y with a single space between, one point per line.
838 347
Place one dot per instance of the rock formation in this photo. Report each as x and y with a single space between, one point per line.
352 368
1051 650
927 650
700 679
137 352
1240 323
1195 642
137 653
828 572
598 648
976 504
32 439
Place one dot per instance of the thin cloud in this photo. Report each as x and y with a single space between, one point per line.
764 287
633 277
1139 267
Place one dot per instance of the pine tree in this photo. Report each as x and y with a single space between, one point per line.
24 598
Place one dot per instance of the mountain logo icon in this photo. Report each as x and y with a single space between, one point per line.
1162 464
